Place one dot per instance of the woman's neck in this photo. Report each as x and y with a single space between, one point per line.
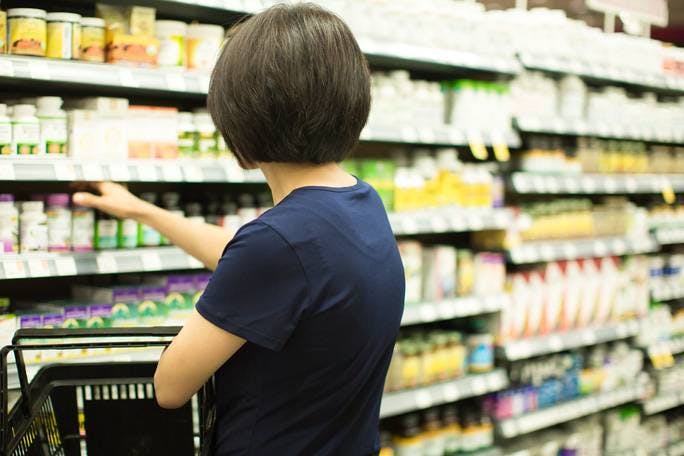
283 178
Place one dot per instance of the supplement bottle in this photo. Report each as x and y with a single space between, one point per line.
3 32
33 234
451 431
105 232
148 236
26 31
63 36
9 224
82 228
187 135
58 222
203 45
171 36
206 134
53 126
480 350
92 47
127 234
5 131
25 130
433 444
409 441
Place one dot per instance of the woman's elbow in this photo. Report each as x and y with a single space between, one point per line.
166 397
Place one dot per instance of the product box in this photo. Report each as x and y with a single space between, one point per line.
112 127
3 32
123 300
152 132
141 21
180 293
535 304
572 293
151 309
554 285
31 320
131 49
590 291
608 289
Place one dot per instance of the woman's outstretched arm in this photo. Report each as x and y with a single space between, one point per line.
201 240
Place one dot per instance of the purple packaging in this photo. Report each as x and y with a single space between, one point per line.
31 321
180 284
53 320
201 281
153 293
125 294
75 316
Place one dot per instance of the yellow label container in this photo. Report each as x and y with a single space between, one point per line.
3 32
27 31
92 39
63 36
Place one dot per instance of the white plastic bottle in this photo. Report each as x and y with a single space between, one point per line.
5 131
53 126
25 130
33 232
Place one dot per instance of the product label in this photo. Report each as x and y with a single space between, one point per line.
76 41
9 230
127 234
3 32
82 230
25 138
202 53
187 143
59 230
105 236
27 36
207 143
172 51
34 237
53 135
60 38
5 138
148 236
92 44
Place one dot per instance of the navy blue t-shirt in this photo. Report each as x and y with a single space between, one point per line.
316 287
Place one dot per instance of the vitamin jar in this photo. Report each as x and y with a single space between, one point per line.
92 48
203 44
58 222
27 31
171 36
63 36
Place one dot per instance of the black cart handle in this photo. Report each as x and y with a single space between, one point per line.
78 333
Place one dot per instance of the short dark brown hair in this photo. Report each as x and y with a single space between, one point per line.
291 85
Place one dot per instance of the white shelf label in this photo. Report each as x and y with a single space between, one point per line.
556 343
427 135
172 172
440 225
428 312
147 173
6 68
410 225
408 134
6 171
92 172
106 264
119 172
127 79
450 392
193 173
479 386
66 266
423 399
151 262
14 269
176 82
65 172
38 69
456 137
600 248
39 267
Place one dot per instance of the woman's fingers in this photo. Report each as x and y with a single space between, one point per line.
87 199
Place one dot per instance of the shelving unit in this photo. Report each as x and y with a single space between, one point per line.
400 402
665 291
663 402
594 184
451 220
426 135
34 265
669 235
532 252
568 411
461 307
554 343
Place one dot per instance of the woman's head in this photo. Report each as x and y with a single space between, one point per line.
291 85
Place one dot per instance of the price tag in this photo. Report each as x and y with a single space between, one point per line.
588 184
92 172
450 392
477 146
106 264
410 225
119 172
428 312
65 172
151 262
570 251
204 82
552 184
6 171
571 185
539 184
619 246
38 69
440 225
519 350
176 82
447 309
171 172
192 173
556 343
14 269
501 151
6 68
468 306
600 248
559 125
501 219
475 222
458 222
631 184
668 192
127 79
427 135
479 386
546 252
611 185
520 183
65 265
147 173
588 338
39 267
408 134
423 399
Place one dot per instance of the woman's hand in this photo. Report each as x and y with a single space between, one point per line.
115 200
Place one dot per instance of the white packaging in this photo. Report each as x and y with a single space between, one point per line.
53 126
203 45
171 36
590 293
412 256
112 126
5 131
33 233
535 305
572 295
554 284
25 130
84 134
610 282
520 298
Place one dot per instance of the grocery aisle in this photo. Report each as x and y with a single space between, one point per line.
533 187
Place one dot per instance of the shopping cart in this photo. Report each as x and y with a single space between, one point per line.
100 409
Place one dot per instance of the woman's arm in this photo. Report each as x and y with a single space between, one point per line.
201 240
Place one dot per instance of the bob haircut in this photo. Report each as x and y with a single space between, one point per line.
291 85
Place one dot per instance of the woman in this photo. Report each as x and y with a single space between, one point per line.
300 317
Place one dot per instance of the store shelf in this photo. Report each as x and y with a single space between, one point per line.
660 403
554 343
118 356
669 235
664 291
448 309
36 69
603 73
676 449
589 184
33 265
677 345
451 220
429 135
537 251
580 127
441 393
568 411
161 170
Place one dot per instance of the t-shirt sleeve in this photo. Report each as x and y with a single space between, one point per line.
259 290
